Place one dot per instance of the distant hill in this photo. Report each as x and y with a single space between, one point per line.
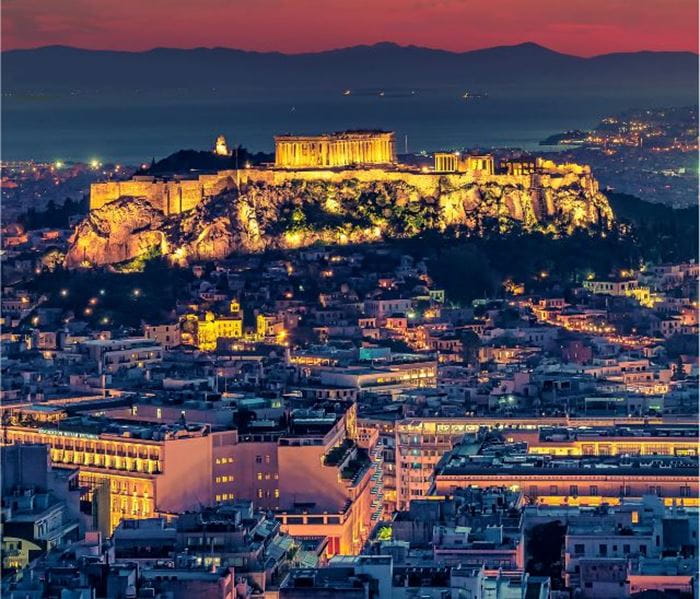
666 234
641 213
184 161
380 66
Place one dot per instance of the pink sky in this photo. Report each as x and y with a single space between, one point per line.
583 27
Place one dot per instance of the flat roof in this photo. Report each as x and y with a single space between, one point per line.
530 464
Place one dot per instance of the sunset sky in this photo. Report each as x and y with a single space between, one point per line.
583 27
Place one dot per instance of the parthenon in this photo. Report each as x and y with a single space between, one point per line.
344 148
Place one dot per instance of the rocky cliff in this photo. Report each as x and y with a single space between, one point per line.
297 213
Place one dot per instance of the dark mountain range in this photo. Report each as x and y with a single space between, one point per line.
383 66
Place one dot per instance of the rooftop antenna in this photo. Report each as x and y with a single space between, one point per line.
405 144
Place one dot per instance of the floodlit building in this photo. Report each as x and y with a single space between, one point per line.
127 469
344 148
575 481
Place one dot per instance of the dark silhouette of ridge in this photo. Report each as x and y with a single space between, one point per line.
384 65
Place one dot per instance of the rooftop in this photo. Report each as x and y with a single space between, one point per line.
94 427
456 465
554 434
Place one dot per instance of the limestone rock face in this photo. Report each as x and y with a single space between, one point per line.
121 230
297 213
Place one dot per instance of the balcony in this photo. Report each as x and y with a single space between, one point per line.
338 454
356 467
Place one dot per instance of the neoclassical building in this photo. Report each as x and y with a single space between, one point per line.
344 148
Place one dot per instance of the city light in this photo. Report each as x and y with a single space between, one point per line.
348 344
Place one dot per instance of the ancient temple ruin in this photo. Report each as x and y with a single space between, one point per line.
345 148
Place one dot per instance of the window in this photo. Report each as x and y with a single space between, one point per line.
579 549
626 549
258 459
603 550
594 490
553 490
573 490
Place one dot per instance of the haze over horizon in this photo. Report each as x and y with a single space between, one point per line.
579 27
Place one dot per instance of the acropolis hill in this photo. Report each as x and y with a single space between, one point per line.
343 187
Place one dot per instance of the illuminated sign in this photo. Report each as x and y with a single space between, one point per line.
49 431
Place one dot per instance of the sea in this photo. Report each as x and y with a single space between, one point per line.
132 128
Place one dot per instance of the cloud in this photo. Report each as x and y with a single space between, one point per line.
27 21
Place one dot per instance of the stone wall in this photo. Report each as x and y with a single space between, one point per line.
180 195
171 197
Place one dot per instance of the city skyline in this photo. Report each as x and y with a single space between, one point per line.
369 299
307 26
